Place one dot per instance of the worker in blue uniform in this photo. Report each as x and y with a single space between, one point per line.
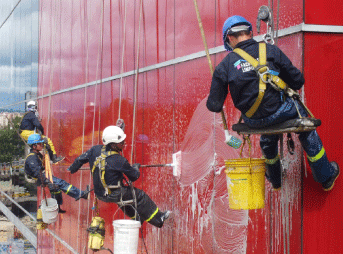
30 125
108 170
34 169
236 74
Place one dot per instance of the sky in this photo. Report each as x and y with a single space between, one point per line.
18 53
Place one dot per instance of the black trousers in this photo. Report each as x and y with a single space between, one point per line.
147 210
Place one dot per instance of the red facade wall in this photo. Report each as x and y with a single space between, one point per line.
323 73
87 41
323 13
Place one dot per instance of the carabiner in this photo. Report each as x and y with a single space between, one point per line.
264 74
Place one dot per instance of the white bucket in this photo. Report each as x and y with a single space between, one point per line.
50 211
126 234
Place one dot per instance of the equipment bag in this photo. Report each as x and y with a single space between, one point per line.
96 233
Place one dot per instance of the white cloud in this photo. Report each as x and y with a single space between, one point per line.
18 51
20 79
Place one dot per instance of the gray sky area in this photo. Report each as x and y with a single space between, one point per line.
18 52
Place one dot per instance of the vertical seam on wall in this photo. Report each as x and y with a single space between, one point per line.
174 127
303 163
214 133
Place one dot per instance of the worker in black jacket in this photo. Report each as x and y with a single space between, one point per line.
34 169
239 76
30 125
108 170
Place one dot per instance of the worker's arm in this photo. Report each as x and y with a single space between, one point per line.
132 172
218 90
37 124
289 73
79 161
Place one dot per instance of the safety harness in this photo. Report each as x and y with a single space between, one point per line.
100 163
266 77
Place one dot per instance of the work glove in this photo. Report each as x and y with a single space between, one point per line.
136 166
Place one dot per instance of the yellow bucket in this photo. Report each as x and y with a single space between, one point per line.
245 182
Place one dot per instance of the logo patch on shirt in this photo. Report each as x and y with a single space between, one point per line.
244 65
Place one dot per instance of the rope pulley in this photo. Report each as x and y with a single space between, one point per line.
265 14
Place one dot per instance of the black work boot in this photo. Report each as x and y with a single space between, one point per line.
85 193
159 218
60 210
328 185
273 175
56 159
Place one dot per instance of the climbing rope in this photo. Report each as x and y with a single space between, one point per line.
99 59
208 55
136 82
122 61
52 46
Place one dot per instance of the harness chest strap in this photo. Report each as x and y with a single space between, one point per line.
263 71
102 161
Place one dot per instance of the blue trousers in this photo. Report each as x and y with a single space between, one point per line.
321 168
61 185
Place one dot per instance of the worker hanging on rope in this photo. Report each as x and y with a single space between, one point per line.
259 93
30 125
108 170
34 168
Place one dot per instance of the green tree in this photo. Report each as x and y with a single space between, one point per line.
11 145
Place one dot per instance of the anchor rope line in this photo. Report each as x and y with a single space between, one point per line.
122 61
208 55
52 46
99 59
9 15
136 83
101 62
100 52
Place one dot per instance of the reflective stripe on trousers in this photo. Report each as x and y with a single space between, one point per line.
67 188
146 208
310 141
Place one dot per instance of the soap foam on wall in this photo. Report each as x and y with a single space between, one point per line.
203 156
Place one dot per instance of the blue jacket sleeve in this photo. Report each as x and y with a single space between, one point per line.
289 73
37 124
218 90
79 161
130 172
121 165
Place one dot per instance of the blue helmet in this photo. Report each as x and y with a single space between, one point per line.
232 25
35 139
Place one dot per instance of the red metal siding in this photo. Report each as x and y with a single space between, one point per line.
323 13
81 42
323 74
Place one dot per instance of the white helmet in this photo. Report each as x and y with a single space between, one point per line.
113 134
31 106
